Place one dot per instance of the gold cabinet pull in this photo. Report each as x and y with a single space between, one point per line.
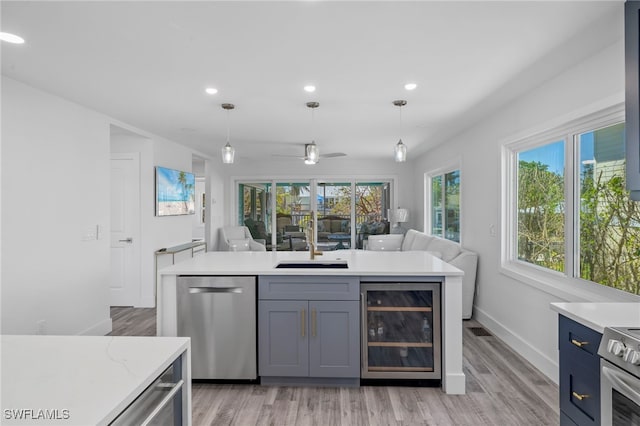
303 318
578 343
578 396
313 323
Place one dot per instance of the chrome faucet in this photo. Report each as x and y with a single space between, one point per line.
311 237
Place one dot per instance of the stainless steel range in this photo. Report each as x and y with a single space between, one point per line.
620 376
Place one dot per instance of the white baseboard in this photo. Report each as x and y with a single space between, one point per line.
539 360
102 328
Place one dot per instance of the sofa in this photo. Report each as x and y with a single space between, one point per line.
332 225
449 251
452 253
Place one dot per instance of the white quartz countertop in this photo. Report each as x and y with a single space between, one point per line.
93 377
597 316
361 262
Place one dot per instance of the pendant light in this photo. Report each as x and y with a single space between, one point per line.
311 151
228 152
400 150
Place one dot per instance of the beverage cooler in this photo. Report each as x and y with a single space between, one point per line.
401 330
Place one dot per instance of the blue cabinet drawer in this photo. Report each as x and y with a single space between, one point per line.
578 340
580 394
566 420
579 373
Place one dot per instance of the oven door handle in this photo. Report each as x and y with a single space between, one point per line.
622 383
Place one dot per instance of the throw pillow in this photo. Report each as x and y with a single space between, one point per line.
345 226
239 245
321 226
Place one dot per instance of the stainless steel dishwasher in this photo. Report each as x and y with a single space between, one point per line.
219 314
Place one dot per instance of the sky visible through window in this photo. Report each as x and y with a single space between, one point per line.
553 154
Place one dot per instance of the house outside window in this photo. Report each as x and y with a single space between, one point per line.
567 209
444 204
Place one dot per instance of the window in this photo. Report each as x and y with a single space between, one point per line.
445 205
342 207
609 221
568 209
540 205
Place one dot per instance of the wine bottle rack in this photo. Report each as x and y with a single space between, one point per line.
401 330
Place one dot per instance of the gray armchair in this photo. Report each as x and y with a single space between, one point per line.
238 238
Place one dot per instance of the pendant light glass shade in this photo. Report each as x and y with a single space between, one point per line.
311 153
400 152
228 152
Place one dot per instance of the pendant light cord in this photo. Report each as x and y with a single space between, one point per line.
400 130
228 127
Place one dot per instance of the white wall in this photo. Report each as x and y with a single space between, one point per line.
517 312
55 188
156 232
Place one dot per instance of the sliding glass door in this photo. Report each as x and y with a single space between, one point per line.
348 211
372 203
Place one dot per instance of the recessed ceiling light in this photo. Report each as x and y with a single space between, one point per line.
211 90
11 38
410 86
309 88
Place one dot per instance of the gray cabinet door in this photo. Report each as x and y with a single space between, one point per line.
283 338
334 339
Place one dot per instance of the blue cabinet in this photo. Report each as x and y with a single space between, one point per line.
305 331
579 374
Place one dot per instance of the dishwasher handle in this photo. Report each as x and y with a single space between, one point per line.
194 290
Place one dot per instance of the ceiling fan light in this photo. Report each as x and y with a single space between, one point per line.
228 153
312 153
400 152
11 38
309 161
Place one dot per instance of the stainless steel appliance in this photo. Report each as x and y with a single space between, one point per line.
219 314
620 376
159 404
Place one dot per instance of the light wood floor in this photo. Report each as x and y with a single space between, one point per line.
502 389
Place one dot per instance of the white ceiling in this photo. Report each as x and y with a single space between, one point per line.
148 63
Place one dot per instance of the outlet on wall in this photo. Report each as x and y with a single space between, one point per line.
41 327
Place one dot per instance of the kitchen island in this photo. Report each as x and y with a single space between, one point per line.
365 265
88 380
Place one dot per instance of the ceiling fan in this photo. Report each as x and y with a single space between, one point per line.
311 152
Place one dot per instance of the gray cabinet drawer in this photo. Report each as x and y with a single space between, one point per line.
308 288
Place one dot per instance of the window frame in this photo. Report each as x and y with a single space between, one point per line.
236 181
452 166
568 284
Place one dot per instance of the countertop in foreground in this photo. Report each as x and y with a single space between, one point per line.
597 316
93 378
361 262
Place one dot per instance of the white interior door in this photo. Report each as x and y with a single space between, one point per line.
125 229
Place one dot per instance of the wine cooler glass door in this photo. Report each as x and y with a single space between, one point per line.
401 330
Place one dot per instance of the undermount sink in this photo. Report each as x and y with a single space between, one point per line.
322 264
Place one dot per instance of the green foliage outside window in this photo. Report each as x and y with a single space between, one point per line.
540 215
609 234
608 245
